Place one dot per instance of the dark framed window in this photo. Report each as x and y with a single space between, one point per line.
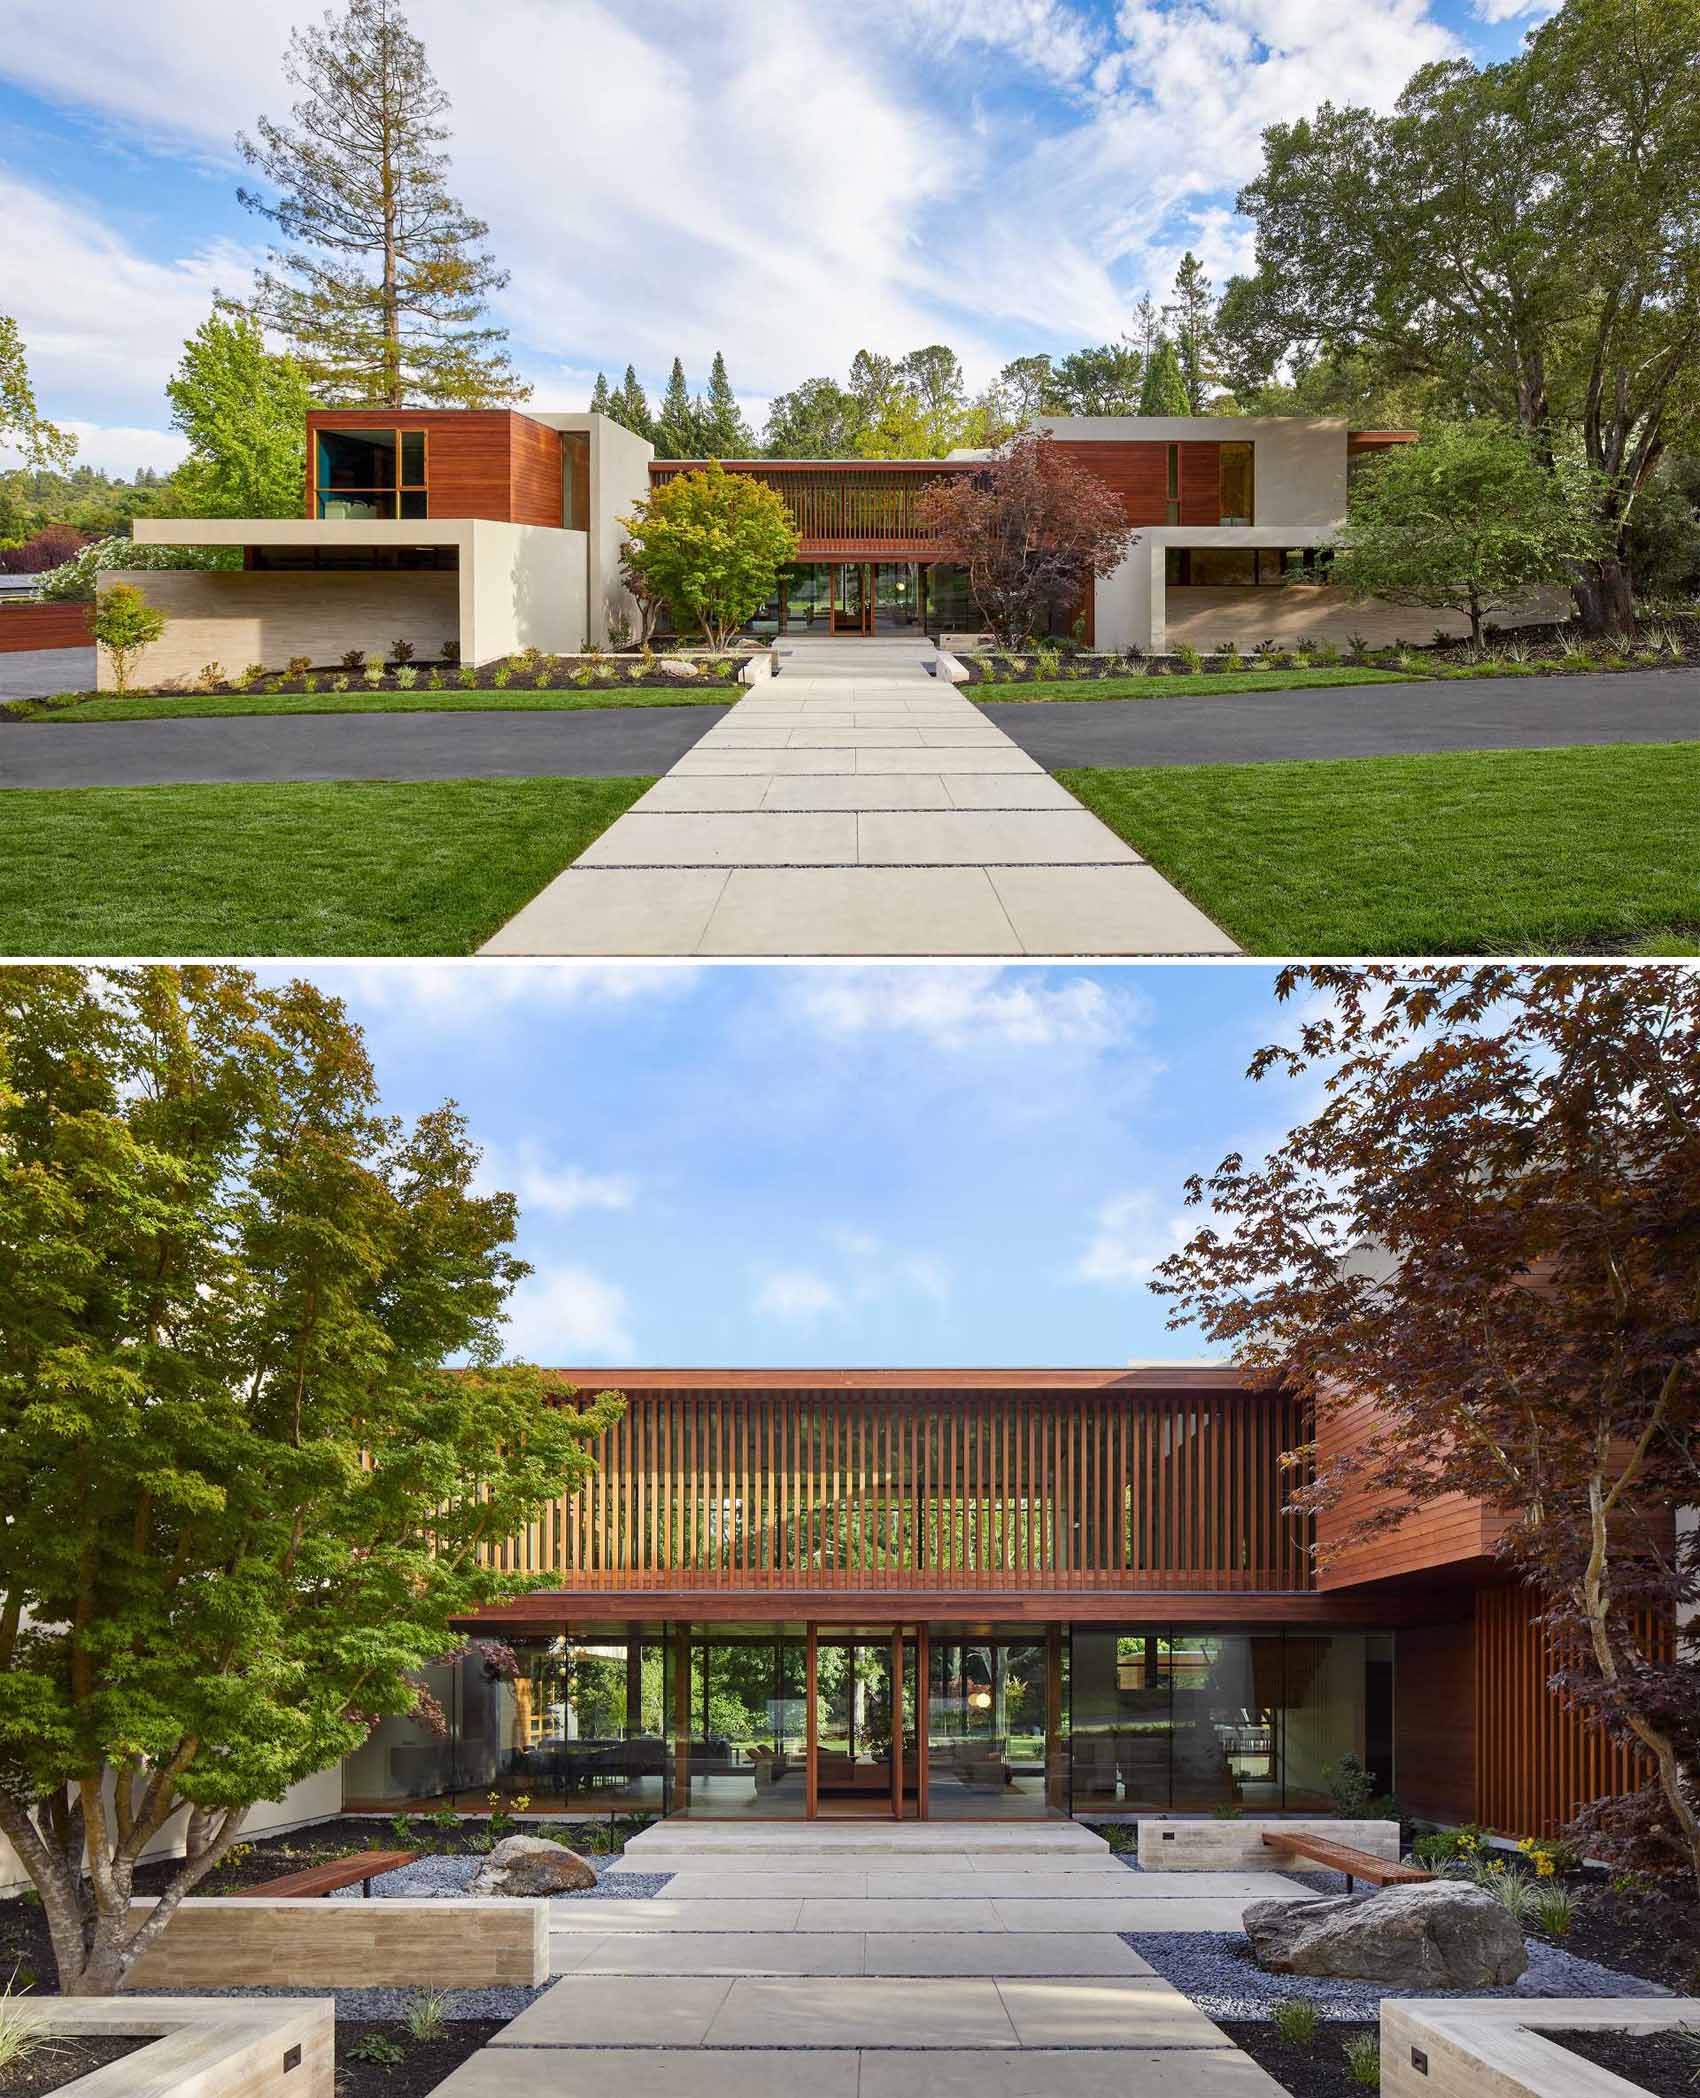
361 474
1173 486
1236 484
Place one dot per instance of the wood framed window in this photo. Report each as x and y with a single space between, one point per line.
1172 485
1236 484
370 473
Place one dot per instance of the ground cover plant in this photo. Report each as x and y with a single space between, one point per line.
348 867
1185 685
1331 2060
76 708
1584 850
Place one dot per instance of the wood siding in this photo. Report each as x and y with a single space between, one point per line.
856 511
479 462
1445 1532
49 623
1536 1759
1138 471
820 1491
1434 1719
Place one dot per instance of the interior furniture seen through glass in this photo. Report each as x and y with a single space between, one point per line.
366 474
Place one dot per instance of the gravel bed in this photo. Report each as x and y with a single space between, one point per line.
370 2006
446 1879
1216 1969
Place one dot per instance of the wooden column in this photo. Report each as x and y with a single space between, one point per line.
811 1790
1056 1776
681 1719
921 1670
897 1722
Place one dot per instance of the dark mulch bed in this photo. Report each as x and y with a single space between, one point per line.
62 2061
1665 2063
1653 1932
1317 2071
423 2065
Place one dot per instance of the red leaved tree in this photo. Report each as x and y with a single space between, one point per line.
1491 1227
1032 529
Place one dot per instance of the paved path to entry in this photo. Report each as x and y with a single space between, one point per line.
858 806
913 1961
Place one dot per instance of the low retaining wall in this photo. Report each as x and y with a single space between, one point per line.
45 623
233 1942
1238 1846
1204 616
252 2049
1461 2049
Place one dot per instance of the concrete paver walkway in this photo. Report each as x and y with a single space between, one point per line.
691 1995
858 806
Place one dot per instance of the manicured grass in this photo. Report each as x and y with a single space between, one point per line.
179 706
1181 687
1590 849
352 867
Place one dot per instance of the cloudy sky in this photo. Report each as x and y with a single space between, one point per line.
833 1165
787 180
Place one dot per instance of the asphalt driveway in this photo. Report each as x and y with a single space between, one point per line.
1358 721
594 742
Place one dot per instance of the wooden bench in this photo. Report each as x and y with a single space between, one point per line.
1341 1857
360 1870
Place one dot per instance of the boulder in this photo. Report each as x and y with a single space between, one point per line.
531 1865
1444 1935
675 666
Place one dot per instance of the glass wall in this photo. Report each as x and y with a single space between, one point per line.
364 474
737 1695
987 1731
1184 1720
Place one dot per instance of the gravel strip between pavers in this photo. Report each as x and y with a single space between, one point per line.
1216 1969
364 2004
447 1878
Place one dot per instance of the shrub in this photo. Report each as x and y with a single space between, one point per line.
1190 657
1448 1846
1552 1910
435 681
1514 1891
1228 656
75 578
1295 2019
406 677
298 666
1550 1855
1350 1786
427 2014
309 683
124 624
501 677
1363 2059
373 671
339 683
378 2049
450 651
1045 663
354 659
401 651
211 675
467 679
1325 651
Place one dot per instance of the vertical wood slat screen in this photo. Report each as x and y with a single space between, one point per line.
811 1490
852 509
1537 1760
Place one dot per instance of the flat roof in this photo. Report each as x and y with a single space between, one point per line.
1136 1377
302 531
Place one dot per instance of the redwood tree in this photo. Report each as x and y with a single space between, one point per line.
1491 1226
1032 529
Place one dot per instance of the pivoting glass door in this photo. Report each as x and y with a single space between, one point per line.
852 598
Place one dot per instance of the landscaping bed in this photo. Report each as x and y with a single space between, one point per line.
1638 1927
63 2060
1320 2070
380 2058
1667 2064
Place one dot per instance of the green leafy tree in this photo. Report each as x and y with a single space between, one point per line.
1468 520
724 434
1163 391
379 281
1525 233
1102 381
710 544
124 623
1191 312
818 420
244 1500
244 412
679 424
22 425
1026 382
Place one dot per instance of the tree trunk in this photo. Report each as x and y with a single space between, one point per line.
1605 598
1475 618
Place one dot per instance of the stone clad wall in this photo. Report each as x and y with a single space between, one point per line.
1203 618
245 1941
1238 1845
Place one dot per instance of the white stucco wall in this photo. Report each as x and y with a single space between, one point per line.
522 586
1299 461
619 478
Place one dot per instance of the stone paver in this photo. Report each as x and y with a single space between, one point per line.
864 2011
734 1952
1164 2072
998 1953
653 2072
611 2010
858 807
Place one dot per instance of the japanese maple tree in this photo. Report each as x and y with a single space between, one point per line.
241 1499
1491 1226
1032 529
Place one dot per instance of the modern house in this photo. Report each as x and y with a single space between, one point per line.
487 531
984 1594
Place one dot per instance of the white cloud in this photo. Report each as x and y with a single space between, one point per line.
565 1314
966 1008
1497 11
1131 1234
115 450
795 1293
555 1189
448 994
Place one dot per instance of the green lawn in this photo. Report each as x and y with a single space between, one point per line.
183 705
1181 687
352 867
1476 852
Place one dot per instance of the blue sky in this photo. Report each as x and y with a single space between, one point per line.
781 179
836 1165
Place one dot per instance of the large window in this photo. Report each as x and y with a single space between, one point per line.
1165 1719
362 474
1236 484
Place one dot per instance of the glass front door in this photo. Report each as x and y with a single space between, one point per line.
852 598
993 1705
858 1746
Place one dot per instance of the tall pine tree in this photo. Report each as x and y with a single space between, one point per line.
599 396
1192 309
679 425
628 405
723 432
378 282
1164 390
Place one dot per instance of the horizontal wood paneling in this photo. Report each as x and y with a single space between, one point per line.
479 462
1201 484
1445 1532
51 624
1137 471
1536 1759
820 1490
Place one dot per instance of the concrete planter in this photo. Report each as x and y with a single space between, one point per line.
1167 1845
215 2049
238 1941
1460 2049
